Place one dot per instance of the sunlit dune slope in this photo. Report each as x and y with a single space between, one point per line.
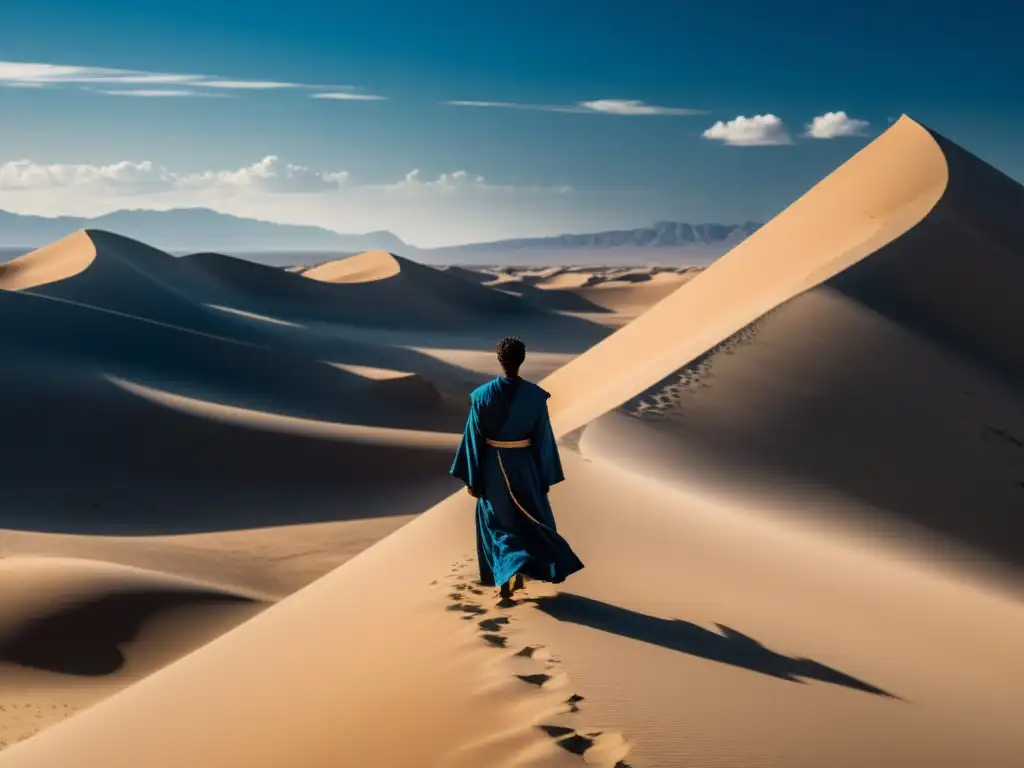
59 261
880 194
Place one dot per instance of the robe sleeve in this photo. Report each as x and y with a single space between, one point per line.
466 466
546 451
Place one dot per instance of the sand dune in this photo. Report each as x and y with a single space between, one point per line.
156 426
50 264
783 567
365 289
883 192
75 631
361 268
611 296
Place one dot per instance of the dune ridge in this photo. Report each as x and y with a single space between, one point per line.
882 192
360 268
362 290
46 265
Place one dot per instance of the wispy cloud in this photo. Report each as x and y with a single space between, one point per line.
41 75
348 96
145 93
756 131
250 85
635 107
621 107
514 105
833 125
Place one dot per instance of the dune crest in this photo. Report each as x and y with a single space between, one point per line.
878 195
362 268
60 261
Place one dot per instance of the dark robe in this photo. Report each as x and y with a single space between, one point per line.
515 529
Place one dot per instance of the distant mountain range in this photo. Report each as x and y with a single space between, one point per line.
664 234
186 230
667 242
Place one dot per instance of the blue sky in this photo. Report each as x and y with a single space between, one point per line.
69 144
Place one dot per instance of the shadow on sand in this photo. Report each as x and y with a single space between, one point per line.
85 638
729 647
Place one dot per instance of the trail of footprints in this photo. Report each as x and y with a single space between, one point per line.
662 400
467 597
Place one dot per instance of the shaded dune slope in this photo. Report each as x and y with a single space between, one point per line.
872 385
375 288
135 409
88 454
956 276
875 198
122 276
80 617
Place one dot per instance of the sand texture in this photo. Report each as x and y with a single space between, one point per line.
796 478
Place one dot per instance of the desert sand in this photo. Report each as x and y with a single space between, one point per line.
795 478
611 296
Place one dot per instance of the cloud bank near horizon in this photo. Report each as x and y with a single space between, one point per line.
270 174
424 209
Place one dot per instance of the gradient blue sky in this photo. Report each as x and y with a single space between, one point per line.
956 67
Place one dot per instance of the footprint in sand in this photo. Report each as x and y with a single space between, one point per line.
538 652
595 747
472 608
493 625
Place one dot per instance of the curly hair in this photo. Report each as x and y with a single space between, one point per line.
511 353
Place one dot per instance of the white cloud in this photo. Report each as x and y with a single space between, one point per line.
348 96
123 177
834 125
621 107
40 75
757 131
269 176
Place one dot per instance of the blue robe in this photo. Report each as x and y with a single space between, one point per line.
515 529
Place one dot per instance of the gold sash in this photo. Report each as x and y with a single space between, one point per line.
504 474
508 443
